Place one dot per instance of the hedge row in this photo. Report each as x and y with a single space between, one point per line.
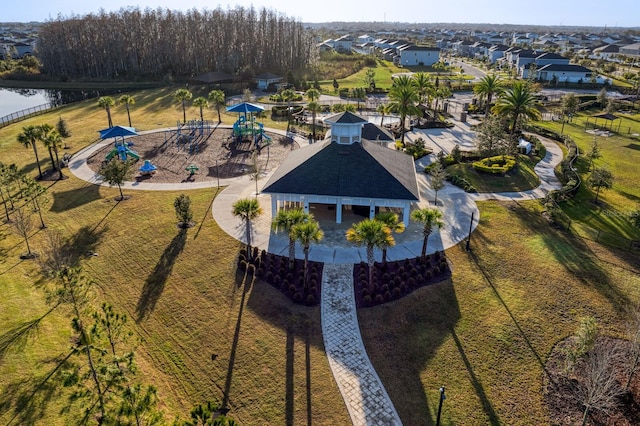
499 164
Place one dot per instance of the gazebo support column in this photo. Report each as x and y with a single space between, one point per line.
274 205
405 214
339 211
372 210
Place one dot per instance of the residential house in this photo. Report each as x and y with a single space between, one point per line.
412 55
266 78
630 49
569 73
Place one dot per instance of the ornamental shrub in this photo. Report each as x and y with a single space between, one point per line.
499 164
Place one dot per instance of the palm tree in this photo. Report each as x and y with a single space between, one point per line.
359 94
371 233
404 97
182 96
429 218
127 100
306 233
201 102
216 97
517 102
43 136
314 108
53 141
28 138
382 109
284 221
312 94
288 95
248 209
107 102
487 87
392 221
424 85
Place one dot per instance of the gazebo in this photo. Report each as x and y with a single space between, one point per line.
345 174
605 116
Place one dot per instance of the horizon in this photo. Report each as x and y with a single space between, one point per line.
571 13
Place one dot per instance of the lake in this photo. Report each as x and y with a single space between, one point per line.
13 100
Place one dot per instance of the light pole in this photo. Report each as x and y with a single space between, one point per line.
442 398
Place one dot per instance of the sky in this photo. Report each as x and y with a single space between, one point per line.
611 13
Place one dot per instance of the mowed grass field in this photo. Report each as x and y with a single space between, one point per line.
179 290
484 334
620 154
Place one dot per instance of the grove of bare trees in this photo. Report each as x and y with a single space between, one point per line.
163 43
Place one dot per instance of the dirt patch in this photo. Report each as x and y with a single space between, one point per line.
172 154
562 389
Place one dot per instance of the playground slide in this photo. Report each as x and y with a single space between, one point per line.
132 154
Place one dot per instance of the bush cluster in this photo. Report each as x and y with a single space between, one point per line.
499 164
461 182
274 270
277 97
282 111
394 280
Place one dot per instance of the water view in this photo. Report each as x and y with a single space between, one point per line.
12 100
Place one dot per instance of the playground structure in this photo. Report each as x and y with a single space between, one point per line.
147 169
246 127
122 151
188 135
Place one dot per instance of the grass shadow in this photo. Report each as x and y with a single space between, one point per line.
30 397
155 282
475 382
67 200
16 338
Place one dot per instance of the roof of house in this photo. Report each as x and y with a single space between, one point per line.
564 68
411 47
549 55
608 48
267 76
364 170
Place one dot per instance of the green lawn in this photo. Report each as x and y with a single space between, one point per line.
620 154
487 331
179 290
521 178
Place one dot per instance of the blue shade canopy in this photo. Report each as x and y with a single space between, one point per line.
117 131
245 107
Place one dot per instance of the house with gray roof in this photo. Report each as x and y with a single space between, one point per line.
346 174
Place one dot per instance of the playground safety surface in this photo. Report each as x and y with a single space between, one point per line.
172 154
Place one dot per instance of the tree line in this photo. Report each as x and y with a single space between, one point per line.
163 43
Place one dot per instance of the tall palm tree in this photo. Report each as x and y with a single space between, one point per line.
314 108
306 233
216 97
182 96
424 85
127 100
371 233
429 218
29 138
359 94
248 209
285 221
404 97
516 102
392 221
106 102
487 87
52 139
43 136
382 109
288 95
201 102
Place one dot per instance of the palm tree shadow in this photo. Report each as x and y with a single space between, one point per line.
154 284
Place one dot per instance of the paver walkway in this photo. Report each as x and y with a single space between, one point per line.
366 399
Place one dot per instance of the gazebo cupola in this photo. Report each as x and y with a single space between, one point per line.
346 127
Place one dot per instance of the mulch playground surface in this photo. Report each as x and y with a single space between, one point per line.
216 153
